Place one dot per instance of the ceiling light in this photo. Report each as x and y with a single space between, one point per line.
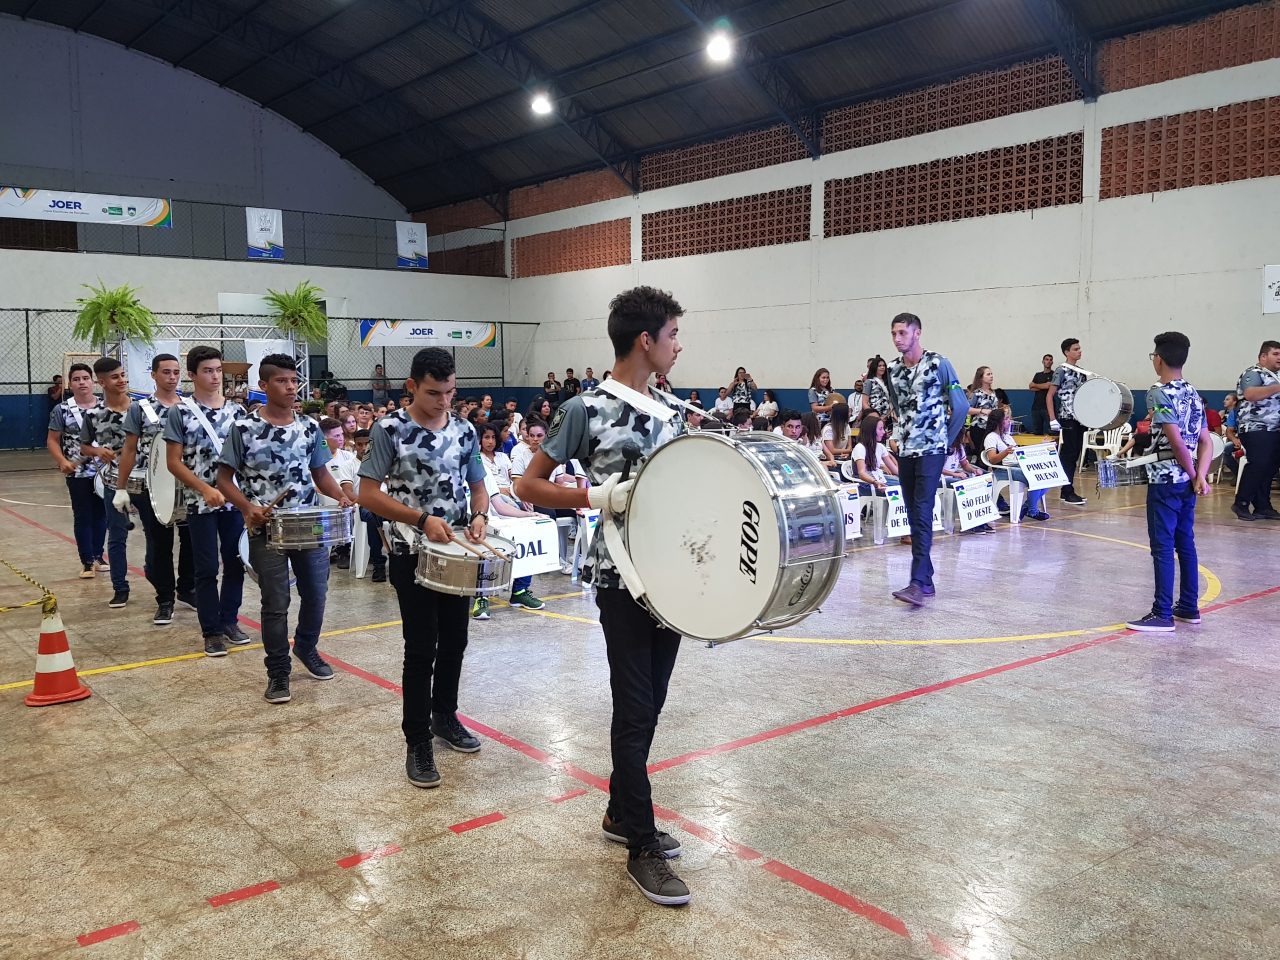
718 47
541 104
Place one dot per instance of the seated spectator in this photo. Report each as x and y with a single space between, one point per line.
1139 440
837 436
958 467
741 421
812 439
497 468
768 409
724 403
760 424
693 420
540 408
871 465
790 425
999 447
1231 456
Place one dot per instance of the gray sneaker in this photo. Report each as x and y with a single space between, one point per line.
911 594
215 645
277 690
652 873
448 728
235 636
612 830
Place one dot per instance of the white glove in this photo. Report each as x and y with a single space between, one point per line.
611 496
121 501
1055 426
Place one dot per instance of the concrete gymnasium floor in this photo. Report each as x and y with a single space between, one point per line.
1004 774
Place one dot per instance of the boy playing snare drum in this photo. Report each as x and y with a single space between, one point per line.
274 458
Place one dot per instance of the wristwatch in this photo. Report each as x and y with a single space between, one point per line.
478 514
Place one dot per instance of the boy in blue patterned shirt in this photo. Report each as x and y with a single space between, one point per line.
1180 438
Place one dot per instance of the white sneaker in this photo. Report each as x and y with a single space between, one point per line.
566 569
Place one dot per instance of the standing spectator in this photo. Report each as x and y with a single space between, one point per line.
931 407
724 404
572 385
54 393
819 393
1066 381
768 409
1039 387
551 389
982 400
1258 425
662 383
742 390
875 391
589 381
380 385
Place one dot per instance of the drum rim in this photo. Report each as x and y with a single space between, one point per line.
155 464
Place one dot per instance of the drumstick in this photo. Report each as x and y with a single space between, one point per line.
462 543
276 502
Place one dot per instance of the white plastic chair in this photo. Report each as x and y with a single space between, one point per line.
1002 479
1104 440
359 547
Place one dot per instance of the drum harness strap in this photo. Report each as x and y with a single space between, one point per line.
190 404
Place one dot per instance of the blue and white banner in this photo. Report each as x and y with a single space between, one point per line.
137 363
266 233
25 203
426 333
1271 288
411 245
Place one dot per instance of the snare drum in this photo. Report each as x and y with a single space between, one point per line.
761 554
453 568
306 528
1102 404
137 482
1121 473
162 488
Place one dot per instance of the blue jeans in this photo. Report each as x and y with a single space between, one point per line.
117 537
919 478
311 568
215 535
158 566
88 517
1034 497
373 530
520 583
1171 517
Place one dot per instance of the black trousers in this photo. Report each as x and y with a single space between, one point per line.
1069 452
158 565
919 477
641 655
434 626
1262 447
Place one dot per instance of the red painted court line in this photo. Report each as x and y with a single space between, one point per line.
943 949
533 753
706 834
571 795
244 893
346 863
108 933
365 675
478 822
880 918
1245 599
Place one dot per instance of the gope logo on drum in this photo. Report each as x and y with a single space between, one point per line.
748 554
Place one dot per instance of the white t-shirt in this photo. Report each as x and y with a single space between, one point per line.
954 460
521 457
829 433
998 444
768 410
499 467
724 405
342 467
877 471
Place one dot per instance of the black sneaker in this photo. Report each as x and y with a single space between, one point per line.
928 590
1002 506
420 766
1267 515
119 599
215 645
164 614
187 598
380 573
1074 499
87 571
1186 616
612 830
1151 624
315 664
344 560
1038 515
447 728
911 594
277 690
235 636
1242 512
651 872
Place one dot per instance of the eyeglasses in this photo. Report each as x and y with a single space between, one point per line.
1151 356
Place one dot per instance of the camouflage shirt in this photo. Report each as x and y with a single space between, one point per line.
984 401
1176 402
592 428
270 459
67 419
104 427
1257 414
428 470
922 403
877 395
1067 382
138 424
198 451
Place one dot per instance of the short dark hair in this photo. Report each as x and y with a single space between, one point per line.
788 415
739 417
377 366
1268 345
636 311
201 354
533 420
105 365
910 319
361 434
76 367
760 424
160 358
433 362
1172 348
568 369
328 423
278 361
1068 343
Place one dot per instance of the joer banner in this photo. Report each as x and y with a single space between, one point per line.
426 333
25 203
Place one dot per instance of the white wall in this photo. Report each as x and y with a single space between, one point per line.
84 114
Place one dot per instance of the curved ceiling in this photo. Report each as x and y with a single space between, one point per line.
430 98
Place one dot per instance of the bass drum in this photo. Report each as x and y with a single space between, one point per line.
1102 404
248 568
761 554
162 488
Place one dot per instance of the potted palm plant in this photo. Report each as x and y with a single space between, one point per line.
297 312
113 314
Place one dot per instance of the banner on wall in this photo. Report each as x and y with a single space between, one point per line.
411 245
25 203
426 333
254 351
137 363
1271 288
266 233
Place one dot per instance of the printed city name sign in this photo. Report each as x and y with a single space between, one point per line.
1041 466
974 501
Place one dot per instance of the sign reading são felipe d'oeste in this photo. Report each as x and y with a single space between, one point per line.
25 203
426 333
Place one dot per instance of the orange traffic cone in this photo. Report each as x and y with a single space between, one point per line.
56 678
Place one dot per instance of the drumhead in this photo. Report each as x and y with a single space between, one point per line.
1102 404
710 563
451 549
162 487
1217 445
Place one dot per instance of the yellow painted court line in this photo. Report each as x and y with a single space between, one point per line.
367 626
560 616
